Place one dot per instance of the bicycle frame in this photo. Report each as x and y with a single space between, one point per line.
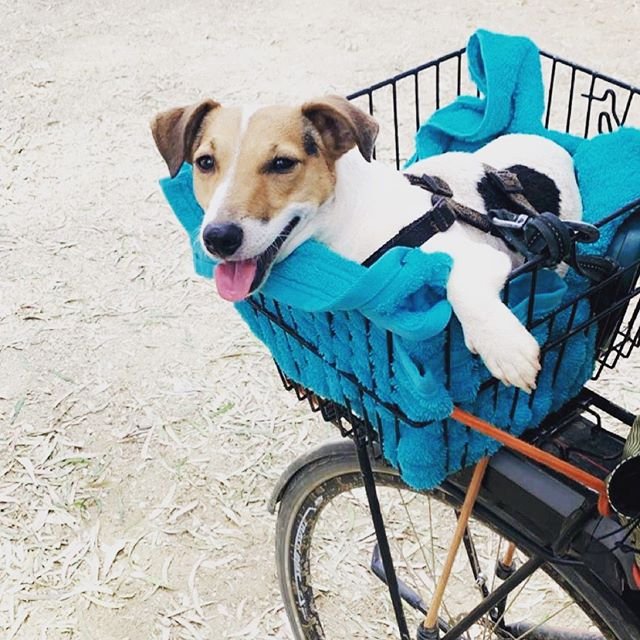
561 515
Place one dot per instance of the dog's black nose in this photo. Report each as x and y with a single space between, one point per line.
222 239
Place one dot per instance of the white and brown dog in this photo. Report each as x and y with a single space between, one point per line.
270 178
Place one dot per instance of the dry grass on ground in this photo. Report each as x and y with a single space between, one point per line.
142 427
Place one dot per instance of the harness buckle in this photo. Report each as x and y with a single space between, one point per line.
583 231
443 214
506 219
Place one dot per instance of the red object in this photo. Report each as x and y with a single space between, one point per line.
635 572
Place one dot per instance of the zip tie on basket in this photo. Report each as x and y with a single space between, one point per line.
547 459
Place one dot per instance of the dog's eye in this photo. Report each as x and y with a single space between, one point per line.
206 163
282 165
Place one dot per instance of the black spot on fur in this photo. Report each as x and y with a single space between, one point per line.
309 143
539 189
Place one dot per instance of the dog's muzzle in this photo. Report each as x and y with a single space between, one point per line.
236 279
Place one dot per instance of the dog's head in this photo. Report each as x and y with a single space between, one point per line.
261 175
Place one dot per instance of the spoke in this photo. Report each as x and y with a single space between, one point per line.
493 581
510 604
568 604
431 568
478 613
418 559
493 576
413 528
433 548
537 626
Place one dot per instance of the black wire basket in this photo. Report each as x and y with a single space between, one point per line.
578 101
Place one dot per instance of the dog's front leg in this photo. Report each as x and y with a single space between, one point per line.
490 329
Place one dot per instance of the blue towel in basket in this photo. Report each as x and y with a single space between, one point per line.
507 71
508 74
405 292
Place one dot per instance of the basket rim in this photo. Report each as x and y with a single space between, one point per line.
458 53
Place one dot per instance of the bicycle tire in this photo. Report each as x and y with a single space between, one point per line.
336 472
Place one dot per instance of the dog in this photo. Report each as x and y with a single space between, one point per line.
268 178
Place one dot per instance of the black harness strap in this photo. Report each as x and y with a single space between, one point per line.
442 199
436 185
415 234
467 215
522 227
445 212
509 184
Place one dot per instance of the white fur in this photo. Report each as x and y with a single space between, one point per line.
216 209
258 234
373 202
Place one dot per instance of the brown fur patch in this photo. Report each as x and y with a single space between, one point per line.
175 131
218 137
342 125
255 191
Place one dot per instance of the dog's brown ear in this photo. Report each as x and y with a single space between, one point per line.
175 130
342 125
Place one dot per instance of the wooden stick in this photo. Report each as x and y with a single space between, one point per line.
508 555
463 519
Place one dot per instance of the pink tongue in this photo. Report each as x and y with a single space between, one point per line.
234 279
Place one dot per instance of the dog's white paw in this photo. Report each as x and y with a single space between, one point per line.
508 350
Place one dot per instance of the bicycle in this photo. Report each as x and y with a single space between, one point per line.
533 529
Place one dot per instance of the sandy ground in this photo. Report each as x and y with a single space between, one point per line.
142 426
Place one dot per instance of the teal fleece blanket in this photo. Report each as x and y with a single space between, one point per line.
405 291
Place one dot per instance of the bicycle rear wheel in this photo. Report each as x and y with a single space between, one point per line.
324 545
